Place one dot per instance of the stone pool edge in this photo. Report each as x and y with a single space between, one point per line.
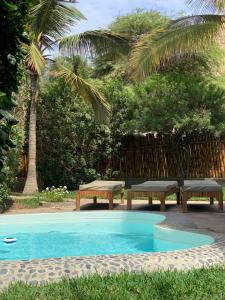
40 271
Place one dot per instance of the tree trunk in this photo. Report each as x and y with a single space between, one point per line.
31 185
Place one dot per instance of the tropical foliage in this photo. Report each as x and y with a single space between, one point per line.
51 19
111 47
185 36
138 23
176 101
52 194
13 19
184 97
71 145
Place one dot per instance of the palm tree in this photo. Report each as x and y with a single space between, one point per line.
50 20
112 45
185 36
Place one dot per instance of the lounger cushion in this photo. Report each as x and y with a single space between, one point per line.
201 186
102 185
154 186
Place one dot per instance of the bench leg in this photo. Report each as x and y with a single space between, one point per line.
110 197
163 203
95 200
150 200
211 201
122 197
78 201
178 198
129 201
184 203
220 202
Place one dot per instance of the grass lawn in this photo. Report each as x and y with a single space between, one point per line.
71 195
207 284
30 202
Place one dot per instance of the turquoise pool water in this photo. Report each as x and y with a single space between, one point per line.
90 233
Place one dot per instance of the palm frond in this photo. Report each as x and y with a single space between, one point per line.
52 18
45 42
207 5
96 42
186 36
87 91
34 60
197 19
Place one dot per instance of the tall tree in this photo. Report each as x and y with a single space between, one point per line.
183 37
133 26
110 48
51 19
138 23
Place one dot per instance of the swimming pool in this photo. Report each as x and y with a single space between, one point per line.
90 233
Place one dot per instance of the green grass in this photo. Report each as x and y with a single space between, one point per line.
70 195
30 202
207 284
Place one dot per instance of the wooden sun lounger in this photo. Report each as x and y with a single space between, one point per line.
158 189
101 188
201 188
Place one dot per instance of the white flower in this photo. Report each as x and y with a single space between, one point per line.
47 189
65 187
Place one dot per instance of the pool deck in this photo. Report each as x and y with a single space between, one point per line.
201 218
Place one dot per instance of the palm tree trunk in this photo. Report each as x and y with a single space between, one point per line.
31 185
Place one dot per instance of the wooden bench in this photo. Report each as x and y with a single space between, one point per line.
201 188
153 189
101 188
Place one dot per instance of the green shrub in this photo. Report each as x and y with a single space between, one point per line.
13 18
5 200
172 100
9 171
11 163
139 22
123 100
72 147
4 193
53 194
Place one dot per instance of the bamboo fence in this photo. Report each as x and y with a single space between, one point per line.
150 156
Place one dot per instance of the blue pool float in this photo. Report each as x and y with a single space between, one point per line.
9 240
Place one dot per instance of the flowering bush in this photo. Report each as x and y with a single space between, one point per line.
53 194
